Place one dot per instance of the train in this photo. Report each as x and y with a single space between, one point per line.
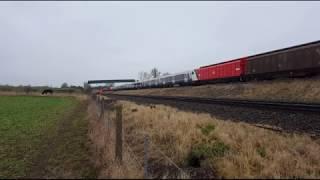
296 61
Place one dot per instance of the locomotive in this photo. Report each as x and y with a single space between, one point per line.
300 60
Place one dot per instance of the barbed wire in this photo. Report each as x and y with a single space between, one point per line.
132 153
135 158
162 154
169 159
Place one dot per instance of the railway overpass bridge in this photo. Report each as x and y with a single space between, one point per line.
110 81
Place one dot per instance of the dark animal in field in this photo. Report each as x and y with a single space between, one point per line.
46 91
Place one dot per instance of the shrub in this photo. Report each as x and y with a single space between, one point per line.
261 151
207 129
204 151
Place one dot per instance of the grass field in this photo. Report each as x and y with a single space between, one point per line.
43 137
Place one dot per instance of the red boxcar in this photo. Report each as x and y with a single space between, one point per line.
229 69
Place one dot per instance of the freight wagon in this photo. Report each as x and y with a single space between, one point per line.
289 62
230 70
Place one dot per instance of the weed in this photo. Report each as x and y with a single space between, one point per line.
207 129
203 151
261 151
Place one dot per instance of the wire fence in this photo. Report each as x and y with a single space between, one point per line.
108 106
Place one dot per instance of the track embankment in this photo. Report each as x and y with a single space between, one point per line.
304 90
203 145
285 117
289 106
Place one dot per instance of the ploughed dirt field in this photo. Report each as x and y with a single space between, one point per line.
44 137
295 90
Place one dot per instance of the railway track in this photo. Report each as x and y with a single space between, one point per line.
288 106
282 117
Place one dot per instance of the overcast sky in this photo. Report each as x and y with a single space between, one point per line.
48 43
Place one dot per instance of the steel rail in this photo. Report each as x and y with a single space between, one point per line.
306 107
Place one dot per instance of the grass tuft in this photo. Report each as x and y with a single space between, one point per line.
261 151
202 152
206 129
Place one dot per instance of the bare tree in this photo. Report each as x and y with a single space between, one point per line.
144 76
86 87
64 85
155 73
140 76
27 89
147 75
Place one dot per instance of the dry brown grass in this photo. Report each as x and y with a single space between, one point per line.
254 152
10 93
102 135
300 90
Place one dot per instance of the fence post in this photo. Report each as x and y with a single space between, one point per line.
146 156
102 108
119 134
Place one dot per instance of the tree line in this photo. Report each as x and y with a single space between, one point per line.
142 76
28 88
154 73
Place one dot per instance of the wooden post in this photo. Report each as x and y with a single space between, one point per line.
107 123
119 134
102 109
146 156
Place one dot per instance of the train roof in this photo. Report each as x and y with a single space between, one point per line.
287 48
222 62
183 72
269 52
157 78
